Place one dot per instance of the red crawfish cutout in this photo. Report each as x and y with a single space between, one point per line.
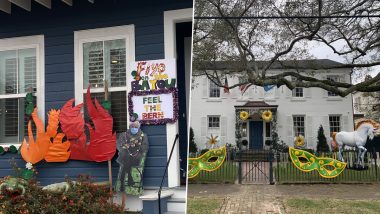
72 124
102 141
102 146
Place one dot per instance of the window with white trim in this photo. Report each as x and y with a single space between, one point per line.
334 122
213 121
333 78
299 125
214 126
298 91
104 55
214 90
21 62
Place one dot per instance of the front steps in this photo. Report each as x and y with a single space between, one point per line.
173 201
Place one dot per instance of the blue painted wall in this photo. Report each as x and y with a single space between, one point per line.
58 26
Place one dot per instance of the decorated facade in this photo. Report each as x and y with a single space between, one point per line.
263 115
53 99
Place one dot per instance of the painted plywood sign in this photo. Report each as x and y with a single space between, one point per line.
154 106
153 75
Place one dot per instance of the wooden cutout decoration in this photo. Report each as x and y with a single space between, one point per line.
52 127
102 139
58 151
72 124
71 120
310 162
205 163
35 150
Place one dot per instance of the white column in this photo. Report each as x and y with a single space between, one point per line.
170 19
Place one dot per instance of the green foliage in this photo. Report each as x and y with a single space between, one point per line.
322 145
29 103
280 146
227 173
83 197
203 206
304 205
106 104
192 145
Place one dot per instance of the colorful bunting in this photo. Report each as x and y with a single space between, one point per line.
268 87
226 89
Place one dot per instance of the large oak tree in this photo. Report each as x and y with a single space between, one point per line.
256 34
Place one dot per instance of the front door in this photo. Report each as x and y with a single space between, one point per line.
256 135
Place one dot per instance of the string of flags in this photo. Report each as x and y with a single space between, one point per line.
243 88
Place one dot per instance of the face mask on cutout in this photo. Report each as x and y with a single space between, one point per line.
134 130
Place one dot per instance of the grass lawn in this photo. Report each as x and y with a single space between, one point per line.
288 173
227 173
203 205
308 206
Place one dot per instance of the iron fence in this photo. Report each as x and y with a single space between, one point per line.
286 173
265 167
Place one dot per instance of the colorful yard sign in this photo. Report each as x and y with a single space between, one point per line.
154 75
154 107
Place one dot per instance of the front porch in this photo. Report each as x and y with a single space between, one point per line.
254 132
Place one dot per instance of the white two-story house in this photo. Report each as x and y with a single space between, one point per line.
298 112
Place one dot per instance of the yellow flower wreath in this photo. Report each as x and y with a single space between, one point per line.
244 115
267 115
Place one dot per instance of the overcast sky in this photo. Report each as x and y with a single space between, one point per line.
321 51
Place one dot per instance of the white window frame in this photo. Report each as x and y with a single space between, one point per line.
304 125
26 42
208 121
337 79
209 90
340 121
294 92
126 32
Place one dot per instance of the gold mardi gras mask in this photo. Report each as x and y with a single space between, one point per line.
326 167
209 161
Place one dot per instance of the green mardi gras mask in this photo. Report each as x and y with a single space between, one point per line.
326 167
209 161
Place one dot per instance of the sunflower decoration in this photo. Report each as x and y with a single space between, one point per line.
213 140
267 116
244 115
299 141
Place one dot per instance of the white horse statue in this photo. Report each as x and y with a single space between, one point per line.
357 138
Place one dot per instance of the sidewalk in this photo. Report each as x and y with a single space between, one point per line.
268 199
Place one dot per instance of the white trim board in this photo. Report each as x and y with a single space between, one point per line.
31 42
170 19
126 32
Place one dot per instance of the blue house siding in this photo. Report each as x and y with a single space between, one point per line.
58 26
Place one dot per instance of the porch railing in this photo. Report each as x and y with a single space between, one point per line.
166 170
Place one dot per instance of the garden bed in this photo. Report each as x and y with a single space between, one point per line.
81 197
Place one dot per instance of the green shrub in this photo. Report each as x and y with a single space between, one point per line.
192 145
82 197
322 145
